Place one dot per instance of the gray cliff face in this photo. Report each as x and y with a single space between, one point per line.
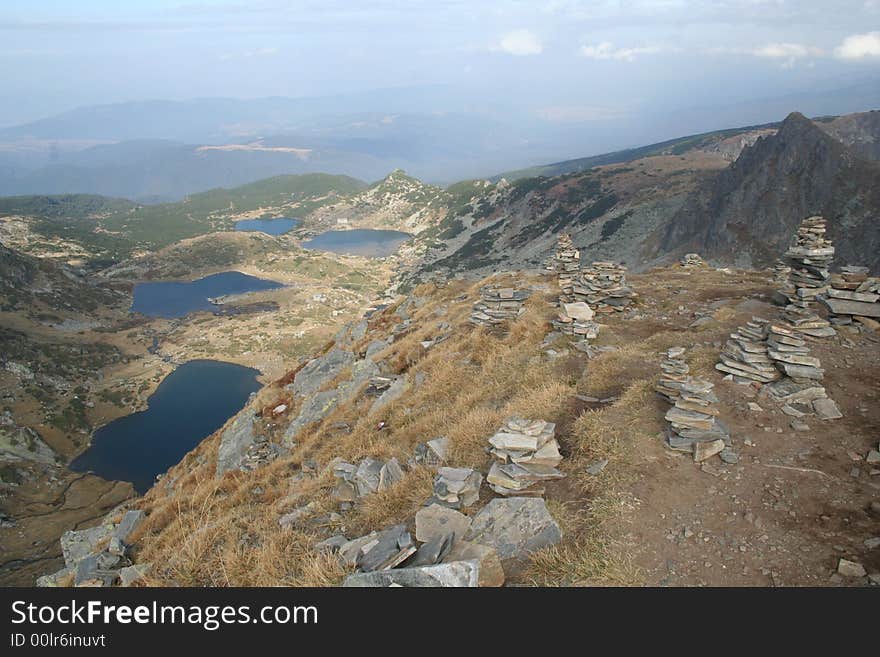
748 214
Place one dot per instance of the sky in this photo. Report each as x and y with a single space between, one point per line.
560 61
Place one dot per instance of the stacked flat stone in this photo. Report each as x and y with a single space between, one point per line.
576 320
852 294
781 272
692 260
694 427
566 263
807 322
526 455
809 259
498 305
791 355
456 488
745 356
603 286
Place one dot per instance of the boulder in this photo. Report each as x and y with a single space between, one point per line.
235 441
97 567
436 521
55 579
515 526
129 525
454 574
77 545
319 371
491 571
131 574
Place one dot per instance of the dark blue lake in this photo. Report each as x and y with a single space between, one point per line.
179 298
191 403
277 226
361 241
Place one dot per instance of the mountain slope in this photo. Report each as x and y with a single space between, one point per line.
748 214
112 229
860 131
719 141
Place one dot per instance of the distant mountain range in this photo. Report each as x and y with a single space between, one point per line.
736 197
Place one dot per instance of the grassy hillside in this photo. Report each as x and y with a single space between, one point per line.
676 146
114 228
63 206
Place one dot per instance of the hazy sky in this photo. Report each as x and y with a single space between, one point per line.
562 60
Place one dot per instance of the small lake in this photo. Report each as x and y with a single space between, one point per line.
191 403
361 241
178 298
277 226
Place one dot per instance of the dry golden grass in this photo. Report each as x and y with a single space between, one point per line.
205 531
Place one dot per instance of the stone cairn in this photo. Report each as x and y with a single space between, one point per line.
576 319
781 273
692 261
790 353
853 295
526 455
799 390
567 262
745 355
806 322
603 286
497 305
694 425
809 259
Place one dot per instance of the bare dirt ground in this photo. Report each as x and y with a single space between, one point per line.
796 502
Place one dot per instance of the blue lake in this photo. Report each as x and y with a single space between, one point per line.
361 241
179 298
277 226
191 403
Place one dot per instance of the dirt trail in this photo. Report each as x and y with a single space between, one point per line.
796 502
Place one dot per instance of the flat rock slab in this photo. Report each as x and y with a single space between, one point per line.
320 370
845 307
515 526
454 574
435 521
826 409
129 525
235 441
77 545
491 571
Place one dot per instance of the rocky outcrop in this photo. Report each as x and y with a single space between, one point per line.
99 556
515 526
746 213
455 574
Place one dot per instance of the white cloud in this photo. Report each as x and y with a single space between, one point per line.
858 46
520 42
787 51
606 51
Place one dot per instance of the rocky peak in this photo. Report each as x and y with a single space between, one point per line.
750 211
